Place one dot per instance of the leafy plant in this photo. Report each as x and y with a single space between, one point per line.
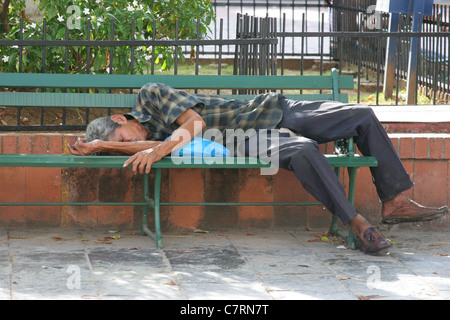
95 20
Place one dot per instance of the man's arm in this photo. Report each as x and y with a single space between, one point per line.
191 123
83 148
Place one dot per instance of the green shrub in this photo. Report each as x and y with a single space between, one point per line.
100 15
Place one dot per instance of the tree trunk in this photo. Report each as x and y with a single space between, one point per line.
4 16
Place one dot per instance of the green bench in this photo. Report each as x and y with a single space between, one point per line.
344 157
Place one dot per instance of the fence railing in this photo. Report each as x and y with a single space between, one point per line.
307 31
368 53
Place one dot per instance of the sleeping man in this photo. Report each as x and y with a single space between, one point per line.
164 119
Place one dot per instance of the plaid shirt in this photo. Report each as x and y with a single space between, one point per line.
159 105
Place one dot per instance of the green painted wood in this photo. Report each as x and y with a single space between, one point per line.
45 99
105 100
71 161
33 80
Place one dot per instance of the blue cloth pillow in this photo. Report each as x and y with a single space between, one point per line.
200 147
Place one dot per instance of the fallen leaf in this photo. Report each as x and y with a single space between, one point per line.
17 237
393 242
115 237
135 248
171 283
103 241
200 231
82 239
57 238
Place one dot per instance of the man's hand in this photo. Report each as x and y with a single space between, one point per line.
83 148
143 160
191 123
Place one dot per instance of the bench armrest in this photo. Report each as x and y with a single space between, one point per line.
344 147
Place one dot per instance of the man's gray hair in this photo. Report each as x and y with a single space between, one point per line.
101 128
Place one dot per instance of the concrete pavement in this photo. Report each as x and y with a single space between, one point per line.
270 264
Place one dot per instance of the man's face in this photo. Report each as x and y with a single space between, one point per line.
128 132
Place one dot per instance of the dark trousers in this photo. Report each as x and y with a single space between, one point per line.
324 121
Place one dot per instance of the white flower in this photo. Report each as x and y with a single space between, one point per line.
5 59
86 11
60 18
130 8
135 3
33 25
98 1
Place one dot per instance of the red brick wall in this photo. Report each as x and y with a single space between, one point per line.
426 158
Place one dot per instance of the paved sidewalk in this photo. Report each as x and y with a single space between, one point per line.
71 263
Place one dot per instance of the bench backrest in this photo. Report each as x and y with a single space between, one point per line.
331 83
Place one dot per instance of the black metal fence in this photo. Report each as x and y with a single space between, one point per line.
368 51
353 37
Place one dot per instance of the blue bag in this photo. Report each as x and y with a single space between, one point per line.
200 147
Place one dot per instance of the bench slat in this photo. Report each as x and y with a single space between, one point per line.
70 161
46 99
29 80
113 100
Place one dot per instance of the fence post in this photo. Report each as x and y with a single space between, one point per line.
418 10
391 53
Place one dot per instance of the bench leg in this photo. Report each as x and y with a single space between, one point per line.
154 203
334 229
158 173
351 197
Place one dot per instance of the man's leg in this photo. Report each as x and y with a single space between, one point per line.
329 121
302 156
326 121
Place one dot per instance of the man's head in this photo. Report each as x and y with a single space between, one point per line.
116 128
101 129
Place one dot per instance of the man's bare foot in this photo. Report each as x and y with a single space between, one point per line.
402 209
